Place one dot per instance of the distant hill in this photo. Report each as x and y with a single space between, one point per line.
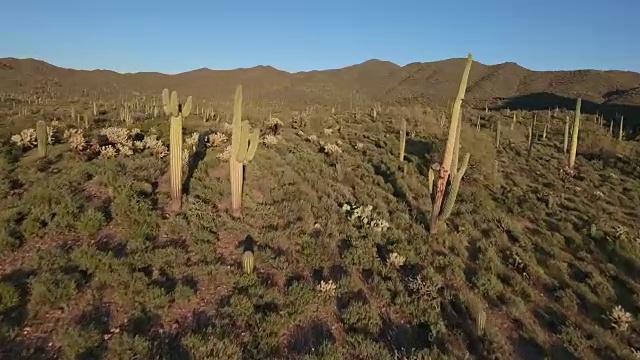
506 84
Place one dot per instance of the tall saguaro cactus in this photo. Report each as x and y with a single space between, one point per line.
244 143
565 143
574 135
403 143
42 136
177 113
439 214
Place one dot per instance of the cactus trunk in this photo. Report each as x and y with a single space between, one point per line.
403 141
248 262
403 138
244 143
620 131
565 144
445 167
177 113
42 137
175 158
574 136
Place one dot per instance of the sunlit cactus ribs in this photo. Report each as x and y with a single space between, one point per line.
449 175
177 112
244 142
42 137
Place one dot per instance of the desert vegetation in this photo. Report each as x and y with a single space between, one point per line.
161 225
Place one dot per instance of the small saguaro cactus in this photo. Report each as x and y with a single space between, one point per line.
248 262
574 135
446 186
177 113
42 137
244 143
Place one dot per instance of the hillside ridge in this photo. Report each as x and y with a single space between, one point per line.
371 80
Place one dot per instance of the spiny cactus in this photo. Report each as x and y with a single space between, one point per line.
445 185
177 113
244 143
574 136
403 141
248 262
498 134
621 130
565 143
532 137
43 138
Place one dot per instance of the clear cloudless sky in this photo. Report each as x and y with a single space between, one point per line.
301 35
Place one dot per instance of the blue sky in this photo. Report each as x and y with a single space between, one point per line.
300 35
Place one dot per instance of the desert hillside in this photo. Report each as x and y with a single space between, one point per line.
308 216
502 85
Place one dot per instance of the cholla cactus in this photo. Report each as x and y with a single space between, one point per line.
269 140
226 154
157 148
191 142
331 149
275 125
108 152
396 260
272 121
124 150
327 288
620 318
76 139
27 139
216 139
117 135
365 216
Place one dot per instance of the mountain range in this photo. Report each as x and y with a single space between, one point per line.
502 85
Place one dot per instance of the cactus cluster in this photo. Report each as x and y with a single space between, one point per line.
177 112
244 142
449 174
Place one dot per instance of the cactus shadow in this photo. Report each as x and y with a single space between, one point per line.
421 152
195 160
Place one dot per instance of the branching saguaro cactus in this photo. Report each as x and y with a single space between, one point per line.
42 137
445 187
244 143
177 113
574 135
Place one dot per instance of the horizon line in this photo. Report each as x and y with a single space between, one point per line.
303 71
